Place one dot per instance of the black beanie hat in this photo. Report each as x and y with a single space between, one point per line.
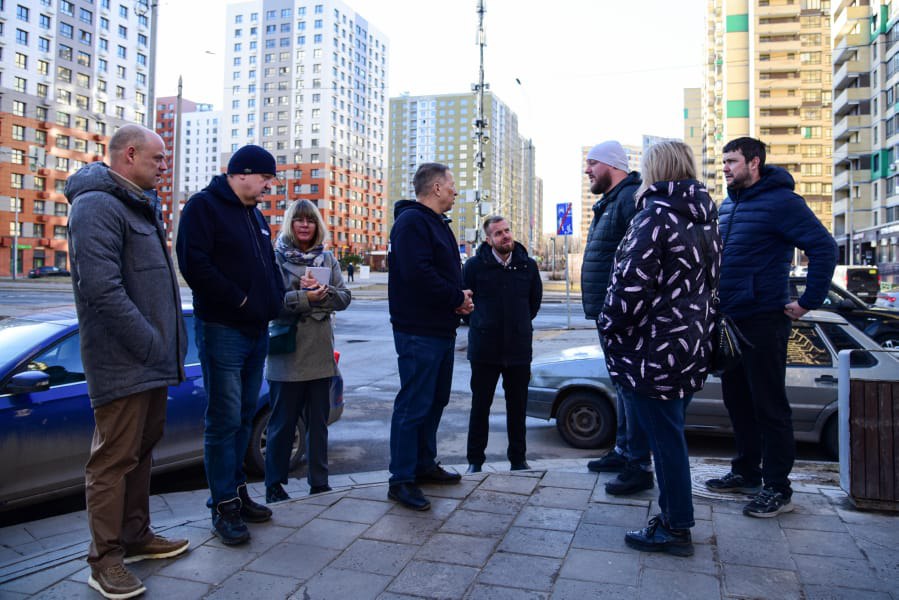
252 159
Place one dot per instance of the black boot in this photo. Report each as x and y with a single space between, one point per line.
659 537
252 512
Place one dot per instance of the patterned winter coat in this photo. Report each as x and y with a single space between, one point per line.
658 315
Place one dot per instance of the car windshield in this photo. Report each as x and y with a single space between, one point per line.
834 297
19 335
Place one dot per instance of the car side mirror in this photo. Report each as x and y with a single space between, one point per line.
846 304
28 382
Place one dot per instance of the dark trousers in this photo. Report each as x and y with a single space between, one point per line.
483 385
290 400
426 377
756 399
117 474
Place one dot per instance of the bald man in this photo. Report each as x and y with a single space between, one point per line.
133 343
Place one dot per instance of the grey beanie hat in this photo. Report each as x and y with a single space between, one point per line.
610 153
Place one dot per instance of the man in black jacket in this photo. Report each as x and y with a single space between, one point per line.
225 254
506 289
425 295
607 170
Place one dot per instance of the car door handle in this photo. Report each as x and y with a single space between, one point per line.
826 379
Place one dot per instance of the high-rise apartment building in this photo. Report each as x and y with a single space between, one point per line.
439 129
693 126
307 81
769 74
201 158
71 72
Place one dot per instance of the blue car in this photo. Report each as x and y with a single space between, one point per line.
46 421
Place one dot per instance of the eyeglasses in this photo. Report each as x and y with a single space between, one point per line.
307 220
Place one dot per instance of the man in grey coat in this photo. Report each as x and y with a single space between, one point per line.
133 343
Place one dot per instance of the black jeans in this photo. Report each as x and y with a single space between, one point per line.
483 385
756 399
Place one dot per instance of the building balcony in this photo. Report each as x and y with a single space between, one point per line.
848 72
849 44
853 149
780 65
788 27
844 126
847 19
784 158
850 97
841 180
783 138
779 46
779 102
777 121
789 83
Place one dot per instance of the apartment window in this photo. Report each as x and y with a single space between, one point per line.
119 92
82 102
142 59
18 133
59 231
22 37
65 52
21 60
64 74
42 90
141 79
123 31
22 13
83 80
43 44
62 141
63 119
121 72
84 59
17 157
120 112
18 108
104 23
121 52
40 113
85 16
237 47
17 181
319 9
104 44
84 36
123 11
19 84
43 21
38 229
38 207
66 30
101 85
141 39
102 65
318 24
67 8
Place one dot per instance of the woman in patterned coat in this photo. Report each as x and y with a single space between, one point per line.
657 326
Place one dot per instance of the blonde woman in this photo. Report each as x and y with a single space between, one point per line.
300 380
657 323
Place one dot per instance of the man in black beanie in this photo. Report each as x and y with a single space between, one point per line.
225 254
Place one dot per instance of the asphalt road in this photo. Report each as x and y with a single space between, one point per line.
359 442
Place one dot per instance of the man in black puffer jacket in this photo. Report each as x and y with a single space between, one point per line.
612 214
507 294
225 254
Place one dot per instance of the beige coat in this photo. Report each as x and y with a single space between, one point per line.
314 356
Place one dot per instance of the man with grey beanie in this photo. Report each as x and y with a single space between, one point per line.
607 170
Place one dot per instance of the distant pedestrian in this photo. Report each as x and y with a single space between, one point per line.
300 381
657 324
350 269
426 299
762 220
133 344
607 170
507 291
225 254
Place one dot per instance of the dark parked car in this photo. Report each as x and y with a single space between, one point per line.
878 323
47 271
575 388
46 421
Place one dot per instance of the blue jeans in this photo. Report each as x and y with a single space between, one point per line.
630 439
290 400
426 375
232 365
663 421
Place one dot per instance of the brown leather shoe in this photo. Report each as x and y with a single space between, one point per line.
115 582
158 547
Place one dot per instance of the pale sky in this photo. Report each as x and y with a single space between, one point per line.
590 70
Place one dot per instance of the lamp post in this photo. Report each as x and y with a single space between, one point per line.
15 239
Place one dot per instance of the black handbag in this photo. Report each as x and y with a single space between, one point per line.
282 338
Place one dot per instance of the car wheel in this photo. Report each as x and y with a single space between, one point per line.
830 437
888 340
254 462
586 420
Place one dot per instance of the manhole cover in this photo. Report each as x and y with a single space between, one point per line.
701 472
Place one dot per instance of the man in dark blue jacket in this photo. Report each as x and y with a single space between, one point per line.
507 294
607 170
225 254
761 221
426 299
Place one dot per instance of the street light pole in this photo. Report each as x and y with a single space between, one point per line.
15 239
176 175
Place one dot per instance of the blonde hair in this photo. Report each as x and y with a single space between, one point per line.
666 161
299 209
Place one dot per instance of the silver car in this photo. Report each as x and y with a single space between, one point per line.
575 388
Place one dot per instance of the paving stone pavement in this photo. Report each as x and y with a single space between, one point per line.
551 532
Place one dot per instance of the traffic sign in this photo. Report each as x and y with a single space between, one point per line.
563 219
